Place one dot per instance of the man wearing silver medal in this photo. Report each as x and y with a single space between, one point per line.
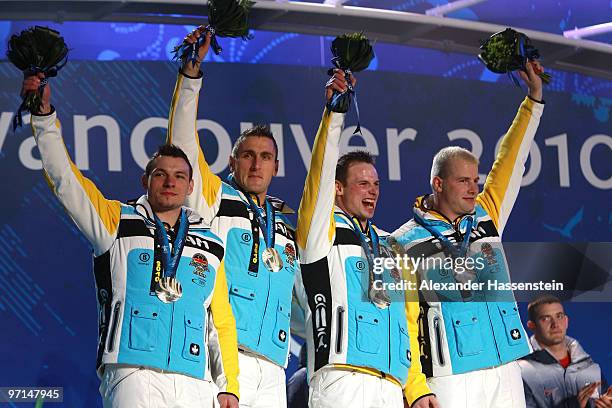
358 334
471 339
160 279
260 260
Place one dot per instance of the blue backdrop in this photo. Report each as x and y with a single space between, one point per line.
114 113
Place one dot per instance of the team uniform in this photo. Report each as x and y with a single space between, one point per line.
470 339
150 353
261 299
358 353
548 384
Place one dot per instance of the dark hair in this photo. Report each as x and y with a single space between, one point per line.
169 150
539 301
259 131
356 156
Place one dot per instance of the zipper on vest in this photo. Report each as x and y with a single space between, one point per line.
499 359
438 335
113 329
339 328
170 337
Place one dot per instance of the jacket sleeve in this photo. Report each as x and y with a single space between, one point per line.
182 132
416 386
223 339
316 227
299 306
95 216
504 180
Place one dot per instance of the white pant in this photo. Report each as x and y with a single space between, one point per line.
138 387
342 388
498 387
262 383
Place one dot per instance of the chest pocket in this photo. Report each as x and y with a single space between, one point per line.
368 331
194 337
143 327
404 346
512 323
242 300
280 335
467 333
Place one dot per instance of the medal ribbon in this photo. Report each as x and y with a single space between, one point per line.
350 93
373 252
266 224
454 250
376 296
170 258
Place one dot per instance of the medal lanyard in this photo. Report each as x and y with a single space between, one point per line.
170 258
267 226
374 251
456 252
265 223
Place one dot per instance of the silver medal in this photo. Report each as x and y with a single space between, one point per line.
272 259
168 290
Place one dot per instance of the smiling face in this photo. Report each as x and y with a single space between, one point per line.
254 165
359 194
168 184
455 194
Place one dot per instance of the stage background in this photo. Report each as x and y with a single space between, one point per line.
114 113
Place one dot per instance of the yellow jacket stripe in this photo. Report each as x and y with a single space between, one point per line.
416 385
182 131
225 326
95 216
504 180
316 213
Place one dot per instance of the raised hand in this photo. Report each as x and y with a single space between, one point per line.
188 67
532 79
32 84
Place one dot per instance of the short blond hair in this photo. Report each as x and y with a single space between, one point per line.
440 164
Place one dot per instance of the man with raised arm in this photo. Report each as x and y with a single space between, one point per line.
160 280
470 338
260 260
359 335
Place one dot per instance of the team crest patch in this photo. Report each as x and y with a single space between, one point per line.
489 254
200 263
290 254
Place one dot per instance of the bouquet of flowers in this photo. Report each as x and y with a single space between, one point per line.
226 18
36 50
508 51
352 53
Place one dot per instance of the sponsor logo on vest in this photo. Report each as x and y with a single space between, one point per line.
488 253
197 242
290 254
280 228
282 335
515 333
246 237
200 263
360 265
320 321
199 281
144 257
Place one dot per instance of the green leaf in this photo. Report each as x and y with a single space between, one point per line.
352 51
